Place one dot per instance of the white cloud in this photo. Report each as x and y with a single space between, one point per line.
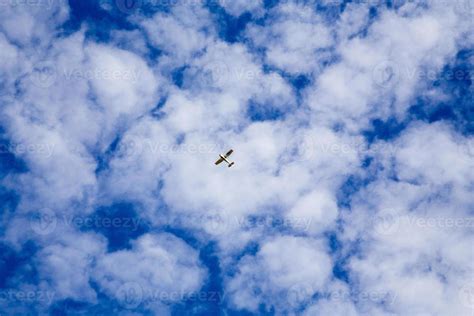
238 7
124 85
318 207
24 22
66 267
379 74
165 270
292 38
180 34
417 244
281 265
418 147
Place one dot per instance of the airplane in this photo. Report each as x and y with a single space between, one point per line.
224 158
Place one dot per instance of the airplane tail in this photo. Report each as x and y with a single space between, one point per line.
231 164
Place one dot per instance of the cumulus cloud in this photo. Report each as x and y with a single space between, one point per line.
26 22
67 267
294 40
419 237
165 269
384 68
181 34
269 278
238 7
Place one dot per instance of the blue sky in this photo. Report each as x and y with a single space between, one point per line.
352 125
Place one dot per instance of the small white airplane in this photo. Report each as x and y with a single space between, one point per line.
224 158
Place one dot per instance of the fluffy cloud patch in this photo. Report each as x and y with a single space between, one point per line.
408 247
165 270
269 278
294 39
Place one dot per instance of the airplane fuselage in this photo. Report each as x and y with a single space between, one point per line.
229 163
224 158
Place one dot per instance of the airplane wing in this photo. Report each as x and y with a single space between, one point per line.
219 161
229 153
